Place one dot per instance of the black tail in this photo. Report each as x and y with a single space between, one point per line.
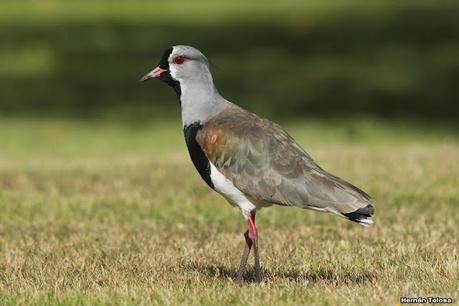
362 215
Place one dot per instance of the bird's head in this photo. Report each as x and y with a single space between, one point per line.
179 66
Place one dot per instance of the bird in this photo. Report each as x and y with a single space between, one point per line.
251 161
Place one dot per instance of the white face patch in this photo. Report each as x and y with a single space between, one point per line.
199 98
172 66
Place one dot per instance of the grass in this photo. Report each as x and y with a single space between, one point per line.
103 213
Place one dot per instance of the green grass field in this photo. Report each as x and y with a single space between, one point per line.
107 213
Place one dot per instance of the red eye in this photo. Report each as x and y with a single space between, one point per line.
179 59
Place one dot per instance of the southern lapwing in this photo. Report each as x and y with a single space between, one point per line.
251 161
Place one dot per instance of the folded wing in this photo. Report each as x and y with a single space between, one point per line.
266 164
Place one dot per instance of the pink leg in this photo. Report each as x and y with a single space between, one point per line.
251 238
252 228
253 233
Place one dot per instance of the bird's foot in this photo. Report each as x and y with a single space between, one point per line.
251 238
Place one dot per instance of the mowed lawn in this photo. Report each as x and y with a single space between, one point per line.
110 213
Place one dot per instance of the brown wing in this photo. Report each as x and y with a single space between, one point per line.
265 163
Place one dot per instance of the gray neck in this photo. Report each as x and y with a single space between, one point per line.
200 100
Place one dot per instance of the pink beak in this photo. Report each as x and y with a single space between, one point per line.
153 74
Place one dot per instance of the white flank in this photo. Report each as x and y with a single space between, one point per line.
227 189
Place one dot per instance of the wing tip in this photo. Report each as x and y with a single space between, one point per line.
362 215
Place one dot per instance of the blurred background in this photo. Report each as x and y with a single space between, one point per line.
100 203
82 59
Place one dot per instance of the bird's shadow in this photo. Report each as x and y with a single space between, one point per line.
294 275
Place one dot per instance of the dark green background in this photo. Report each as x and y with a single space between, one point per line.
334 58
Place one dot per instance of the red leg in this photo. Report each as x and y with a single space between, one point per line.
254 238
252 228
251 238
